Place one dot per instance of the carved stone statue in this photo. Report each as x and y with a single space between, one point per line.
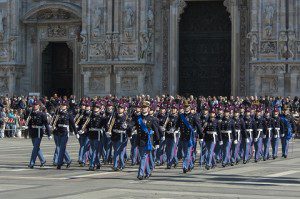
150 16
13 48
292 44
98 21
108 48
268 20
283 45
83 47
145 43
129 18
1 25
253 46
115 45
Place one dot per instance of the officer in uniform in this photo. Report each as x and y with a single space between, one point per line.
95 135
83 135
162 119
211 132
227 132
172 136
239 126
204 120
120 134
258 134
62 126
247 136
147 131
134 149
268 129
37 122
277 129
110 118
187 122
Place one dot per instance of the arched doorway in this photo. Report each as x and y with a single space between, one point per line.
57 69
205 49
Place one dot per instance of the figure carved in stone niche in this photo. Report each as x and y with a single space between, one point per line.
253 46
129 17
115 45
3 54
98 20
13 48
83 47
108 47
268 20
1 25
283 45
145 38
291 44
150 17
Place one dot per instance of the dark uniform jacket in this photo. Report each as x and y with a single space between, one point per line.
38 119
64 123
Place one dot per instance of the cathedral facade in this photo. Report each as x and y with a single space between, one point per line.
129 47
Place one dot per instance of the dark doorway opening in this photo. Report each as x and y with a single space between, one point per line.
205 49
57 70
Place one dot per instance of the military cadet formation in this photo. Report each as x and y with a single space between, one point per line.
163 131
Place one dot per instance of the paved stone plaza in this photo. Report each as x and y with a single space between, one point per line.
271 179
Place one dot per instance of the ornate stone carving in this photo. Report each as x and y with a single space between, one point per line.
181 4
145 45
74 31
253 45
107 44
268 68
98 21
83 54
283 48
150 18
53 14
97 50
12 48
268 47
4 85
2 18
115 46
292 44
3 53
32 34
57 31
129 17
127 50
129 83
269 84
269 13
97 83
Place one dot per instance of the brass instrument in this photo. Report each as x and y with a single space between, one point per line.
78 120
76 116
111 123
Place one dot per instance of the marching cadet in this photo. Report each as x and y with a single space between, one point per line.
204 119
82 134
211 132
147 131
110 120
258 134
277 129
163 118
186 123
218 149
78 117
120 134
288 129
227 131
172 136
134 149
268 134
247 136
62 122
95 135
239 126
37 121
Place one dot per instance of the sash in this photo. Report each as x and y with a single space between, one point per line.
186 123
148 146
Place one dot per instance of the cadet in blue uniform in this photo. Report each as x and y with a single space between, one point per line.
277 129
64 121
109 116
36 125
120 133
268 129
239 126
162 118
258 134
247 136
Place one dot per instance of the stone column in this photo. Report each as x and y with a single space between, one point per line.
282 15
86 81
254 15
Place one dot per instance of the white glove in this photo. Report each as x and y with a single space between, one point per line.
255 139
282 135
235 142
108 134
163 129
221 142
50 137
80 132
163 138
265 136
124 126
247 140
77 136
156 147
201 140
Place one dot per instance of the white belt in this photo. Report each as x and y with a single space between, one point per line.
99 131
39 129
259 132
269 131
239 134
278 132
213 133
121 132
250 132
63 125
134 132
228 133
